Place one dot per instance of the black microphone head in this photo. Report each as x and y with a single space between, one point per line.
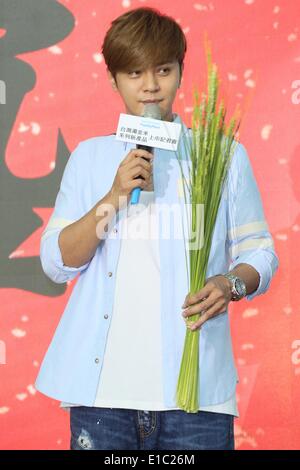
152 110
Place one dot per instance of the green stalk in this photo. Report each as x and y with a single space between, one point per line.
210 148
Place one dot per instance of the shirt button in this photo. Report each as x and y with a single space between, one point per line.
97 360
106 316
110 274
115 230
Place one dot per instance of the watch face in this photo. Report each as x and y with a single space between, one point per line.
240 287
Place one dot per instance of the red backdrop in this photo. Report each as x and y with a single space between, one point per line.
256 46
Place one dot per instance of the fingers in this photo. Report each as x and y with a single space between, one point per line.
198 296
213 299
135 171
136 165
139 171
138 183
128 183
215 310
136 153
139 162
199 306
205 306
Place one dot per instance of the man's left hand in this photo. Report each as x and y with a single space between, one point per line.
209 301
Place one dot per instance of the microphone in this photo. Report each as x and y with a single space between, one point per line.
151 110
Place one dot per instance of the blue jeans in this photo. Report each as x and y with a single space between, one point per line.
94 428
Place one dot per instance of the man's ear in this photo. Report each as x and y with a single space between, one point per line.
112 81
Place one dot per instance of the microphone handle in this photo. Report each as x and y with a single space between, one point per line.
135 194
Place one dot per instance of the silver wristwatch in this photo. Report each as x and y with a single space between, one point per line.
238 287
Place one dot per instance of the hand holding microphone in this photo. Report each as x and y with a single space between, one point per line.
135 171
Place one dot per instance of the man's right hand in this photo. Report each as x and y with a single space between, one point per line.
133 172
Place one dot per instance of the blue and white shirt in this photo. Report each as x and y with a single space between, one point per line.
131 375
72 366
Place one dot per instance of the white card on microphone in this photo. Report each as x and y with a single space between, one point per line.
147 131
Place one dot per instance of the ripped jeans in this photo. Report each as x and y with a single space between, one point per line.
94 428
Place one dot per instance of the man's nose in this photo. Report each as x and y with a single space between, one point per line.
150 82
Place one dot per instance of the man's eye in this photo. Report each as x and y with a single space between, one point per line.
166 69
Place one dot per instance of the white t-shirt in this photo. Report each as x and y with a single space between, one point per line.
131 375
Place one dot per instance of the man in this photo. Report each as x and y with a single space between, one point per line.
115 356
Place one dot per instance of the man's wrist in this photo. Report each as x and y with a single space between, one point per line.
237 285
110 198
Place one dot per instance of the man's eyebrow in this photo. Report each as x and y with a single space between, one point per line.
165 63
158 65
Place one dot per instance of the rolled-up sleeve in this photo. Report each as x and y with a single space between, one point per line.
249 238
67 210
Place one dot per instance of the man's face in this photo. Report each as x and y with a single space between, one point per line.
159 84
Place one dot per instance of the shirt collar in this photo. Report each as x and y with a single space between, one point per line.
177 118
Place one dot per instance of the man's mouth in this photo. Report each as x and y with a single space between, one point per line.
151 101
